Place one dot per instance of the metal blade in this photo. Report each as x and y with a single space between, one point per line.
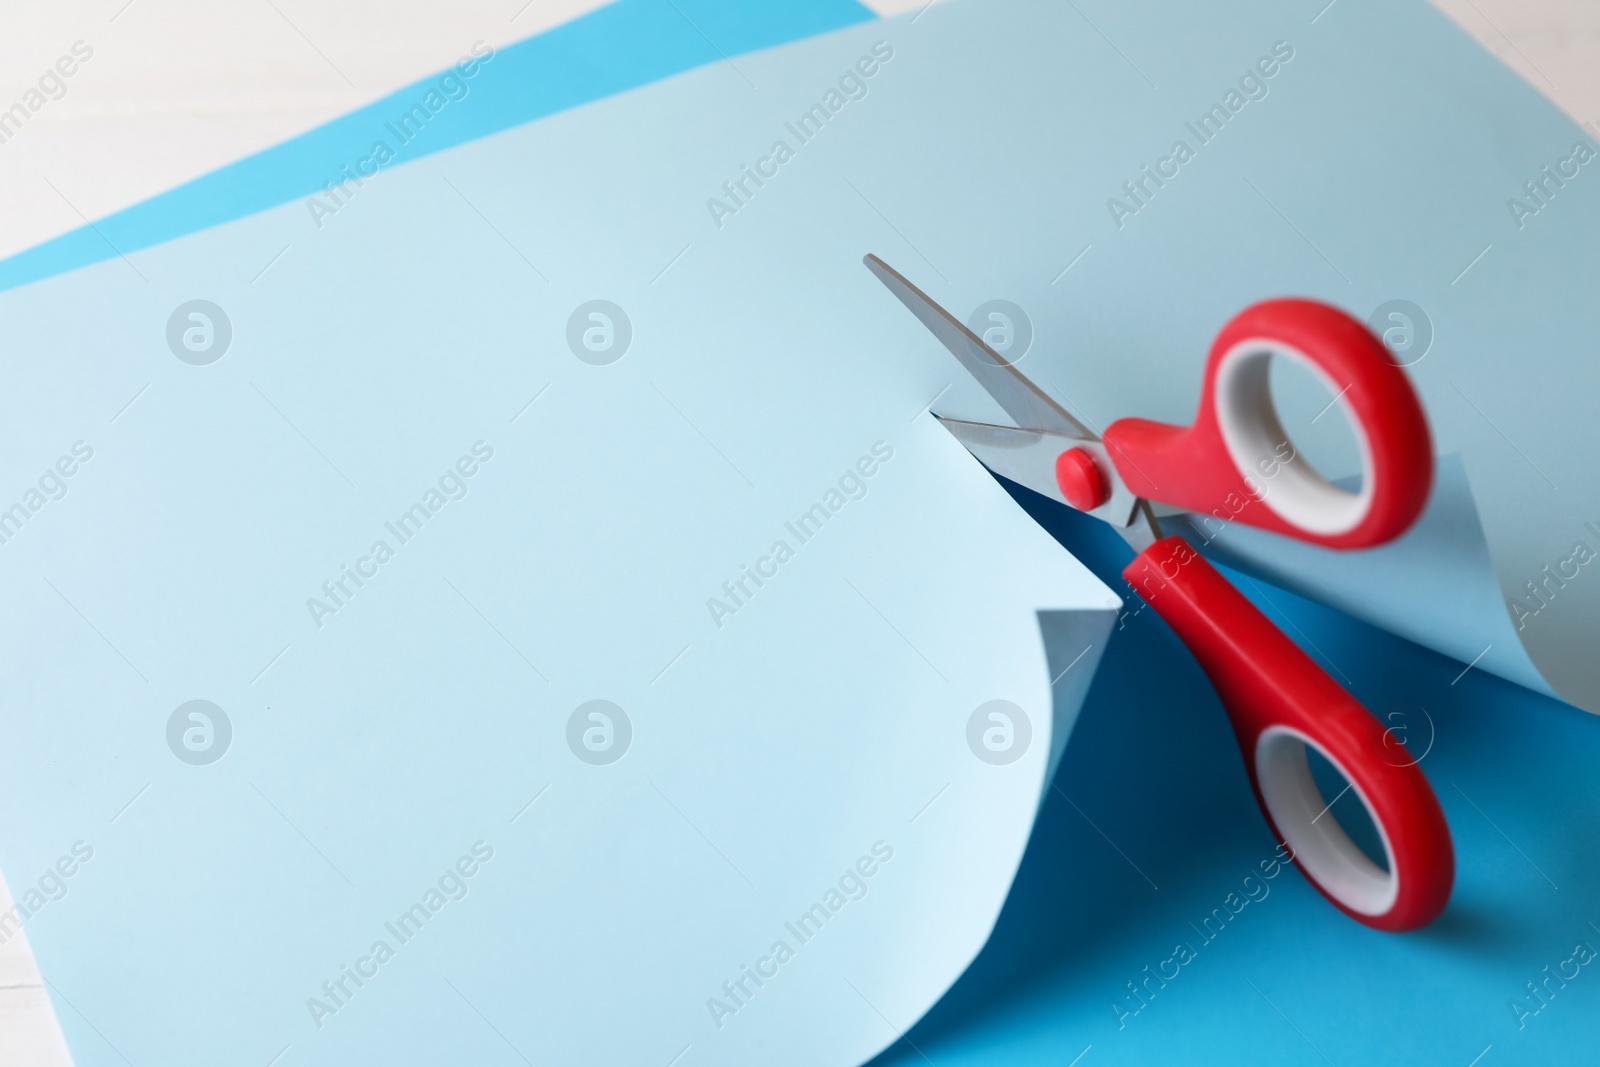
1021 399
1028 457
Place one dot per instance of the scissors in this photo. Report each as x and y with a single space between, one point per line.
1235 464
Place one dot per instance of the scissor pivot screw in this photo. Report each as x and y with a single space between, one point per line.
1080 480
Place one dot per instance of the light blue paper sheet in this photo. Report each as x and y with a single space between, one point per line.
1388 160
404 853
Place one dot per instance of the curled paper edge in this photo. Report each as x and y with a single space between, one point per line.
1435 586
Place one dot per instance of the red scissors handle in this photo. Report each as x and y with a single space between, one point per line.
1236 462
1279 702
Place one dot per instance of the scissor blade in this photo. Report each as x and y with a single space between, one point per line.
1021 399
1028 457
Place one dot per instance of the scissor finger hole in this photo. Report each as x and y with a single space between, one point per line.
1274 469
1308 822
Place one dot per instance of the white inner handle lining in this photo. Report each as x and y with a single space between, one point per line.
1320 844
1252 432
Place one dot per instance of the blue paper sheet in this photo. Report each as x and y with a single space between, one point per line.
1154 794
